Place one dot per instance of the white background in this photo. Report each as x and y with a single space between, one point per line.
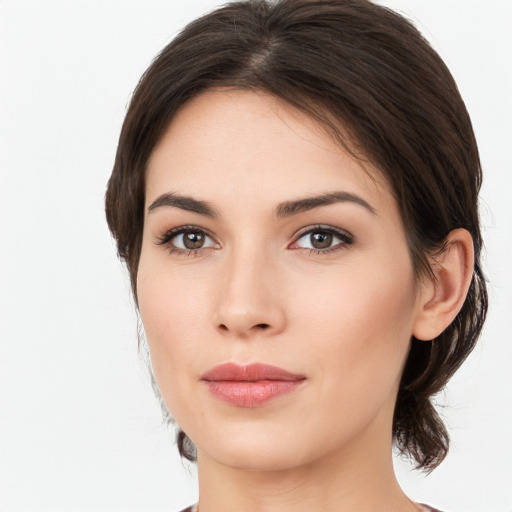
80 428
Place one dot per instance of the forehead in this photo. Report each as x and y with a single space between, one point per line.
226 144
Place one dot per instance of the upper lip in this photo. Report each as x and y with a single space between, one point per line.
249 373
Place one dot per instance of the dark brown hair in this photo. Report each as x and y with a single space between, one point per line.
368 76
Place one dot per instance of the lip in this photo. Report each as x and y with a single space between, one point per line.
250 385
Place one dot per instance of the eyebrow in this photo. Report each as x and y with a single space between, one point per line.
284 209
289 208
184 203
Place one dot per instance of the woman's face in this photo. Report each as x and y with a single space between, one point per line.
264 242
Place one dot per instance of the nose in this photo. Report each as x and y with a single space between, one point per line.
250 298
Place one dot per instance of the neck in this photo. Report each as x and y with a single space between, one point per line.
360 477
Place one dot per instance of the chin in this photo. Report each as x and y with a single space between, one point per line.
253 453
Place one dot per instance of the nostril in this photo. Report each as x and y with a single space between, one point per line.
255 327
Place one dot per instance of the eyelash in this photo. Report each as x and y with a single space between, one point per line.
345 238
169 235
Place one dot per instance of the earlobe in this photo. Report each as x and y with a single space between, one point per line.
443 294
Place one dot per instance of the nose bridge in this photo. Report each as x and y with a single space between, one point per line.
249 299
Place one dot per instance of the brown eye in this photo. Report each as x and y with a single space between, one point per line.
187 240
193 240
321 240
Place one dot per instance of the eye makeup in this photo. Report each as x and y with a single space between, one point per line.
193 240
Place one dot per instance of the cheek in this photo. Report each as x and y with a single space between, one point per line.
176 308
359 327
171 316
170 302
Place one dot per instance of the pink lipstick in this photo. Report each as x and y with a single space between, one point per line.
252 385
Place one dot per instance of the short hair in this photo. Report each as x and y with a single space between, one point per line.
367 76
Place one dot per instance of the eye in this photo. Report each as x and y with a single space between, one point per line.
322 239
187 239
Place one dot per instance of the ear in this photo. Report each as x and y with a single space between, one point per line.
443 294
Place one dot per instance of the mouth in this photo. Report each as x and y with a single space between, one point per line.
252 385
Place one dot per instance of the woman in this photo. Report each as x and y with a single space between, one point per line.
295 196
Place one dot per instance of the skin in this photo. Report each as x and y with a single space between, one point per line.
341 315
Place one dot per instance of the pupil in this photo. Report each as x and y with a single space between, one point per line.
193 240
321 240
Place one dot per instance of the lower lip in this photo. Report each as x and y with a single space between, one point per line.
251 394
